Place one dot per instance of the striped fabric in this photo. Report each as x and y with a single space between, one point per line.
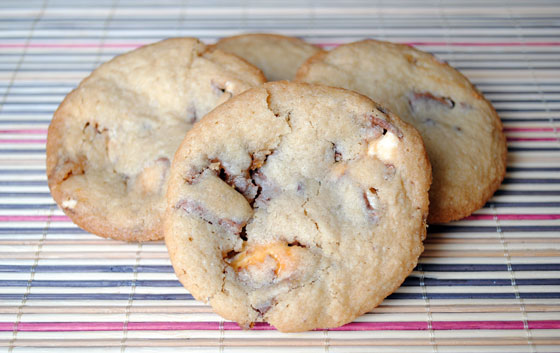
488 283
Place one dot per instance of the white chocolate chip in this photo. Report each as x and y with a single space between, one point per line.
71 203
384 148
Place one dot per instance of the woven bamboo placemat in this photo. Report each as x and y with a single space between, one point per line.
489 283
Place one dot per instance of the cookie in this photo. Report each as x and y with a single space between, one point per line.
277 56
111 141
461 130
300 205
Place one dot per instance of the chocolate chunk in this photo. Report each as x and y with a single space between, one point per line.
416 98
197 209
242 183
385 125
258 159
337 154
249 183
264 307
266 189
95 127
68 169
193 175
372 204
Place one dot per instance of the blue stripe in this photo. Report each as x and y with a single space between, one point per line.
527 192
25 121
530 120
39 230
31 112
87 67
23 183
37 84
24 103
443 228
22 151
87 269
96 296
58 98
226 29
522 204
51 84
210 23
43 111
409 282
175 296
44 182
486 267
108 54
431 229
536 100
414 281
25 194
533 169
101 18
531 181
543 295
44 206
533 149
23 171
426 267
497 193
89 284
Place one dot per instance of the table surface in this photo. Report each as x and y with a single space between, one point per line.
489 283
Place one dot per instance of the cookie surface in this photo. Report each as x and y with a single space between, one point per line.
300 205
461 130
112 139
277 56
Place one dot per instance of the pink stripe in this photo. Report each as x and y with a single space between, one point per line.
232 326
135 45
467 44
477 325
532 139
514 217
381 326
42 141
34 218
537 129
71 45
6 326
25 131
229 326
70 326
544 324
487 44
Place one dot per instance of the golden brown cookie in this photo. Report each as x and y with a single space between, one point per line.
111 141
300 205
277 56
461 130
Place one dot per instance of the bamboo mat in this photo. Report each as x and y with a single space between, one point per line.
489 283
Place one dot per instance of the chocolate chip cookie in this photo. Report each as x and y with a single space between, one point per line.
300 205
461 130
277 56
112 139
